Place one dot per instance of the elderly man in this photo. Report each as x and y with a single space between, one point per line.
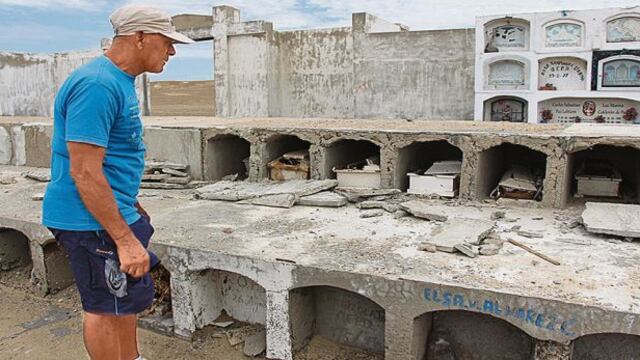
97 163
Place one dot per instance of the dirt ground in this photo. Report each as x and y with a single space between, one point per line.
32 327
182 98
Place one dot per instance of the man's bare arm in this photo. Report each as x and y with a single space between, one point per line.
96 194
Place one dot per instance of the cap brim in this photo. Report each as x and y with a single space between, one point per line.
177 37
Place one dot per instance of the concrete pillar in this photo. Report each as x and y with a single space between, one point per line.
404 338
194 301
387 161
223 17
278 326
551 350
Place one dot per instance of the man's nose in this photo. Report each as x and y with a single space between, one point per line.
172 50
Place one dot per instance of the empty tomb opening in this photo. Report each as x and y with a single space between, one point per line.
464 335
227 156
325 313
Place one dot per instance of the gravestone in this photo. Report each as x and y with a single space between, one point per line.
506 73
625 29
563 73
563 35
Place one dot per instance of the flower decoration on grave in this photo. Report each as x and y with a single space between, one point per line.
599 119
577 119
546 115
630 114
548 86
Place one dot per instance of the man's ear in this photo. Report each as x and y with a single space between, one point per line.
139 37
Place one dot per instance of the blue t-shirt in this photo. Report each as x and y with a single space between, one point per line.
97 105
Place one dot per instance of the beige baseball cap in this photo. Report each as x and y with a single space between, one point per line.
130 19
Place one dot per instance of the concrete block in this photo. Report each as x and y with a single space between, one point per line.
6 147
234 191
182 146
612 219
38 144
422 210
324 199
459 231
278 200
19 146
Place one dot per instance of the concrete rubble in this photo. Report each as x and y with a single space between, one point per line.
324 199
612 219
166 175
279 194
460 233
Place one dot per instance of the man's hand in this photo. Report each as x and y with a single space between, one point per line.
134 258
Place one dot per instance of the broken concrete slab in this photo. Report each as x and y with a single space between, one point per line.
371 213
162 186
157 165
356 195
530 234
428 248
8 180
422 210
467 249
278 200
236 191
155 177
178 180
490 249
255 344
41 176
459 231
174 172
612 219
324 199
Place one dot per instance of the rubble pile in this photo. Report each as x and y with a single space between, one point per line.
165 175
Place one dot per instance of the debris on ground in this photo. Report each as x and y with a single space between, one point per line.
497 215
237 191
40 176
7 180
612 219
364 174
37 197
530 234
371 213
423 210
520 182
166 176
467 249
293 165
323 199
441 179
459 231
377 204
356 195
534 252
255 344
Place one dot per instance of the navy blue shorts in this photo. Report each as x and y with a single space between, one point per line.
103 288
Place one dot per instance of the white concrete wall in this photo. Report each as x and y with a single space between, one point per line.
592 38
373 69
28 82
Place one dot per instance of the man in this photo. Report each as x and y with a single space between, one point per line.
96 167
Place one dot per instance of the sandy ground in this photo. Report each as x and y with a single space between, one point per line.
182 98
32 327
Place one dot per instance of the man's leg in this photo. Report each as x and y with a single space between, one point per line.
106 335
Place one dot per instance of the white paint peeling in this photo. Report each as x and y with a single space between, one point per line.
19 146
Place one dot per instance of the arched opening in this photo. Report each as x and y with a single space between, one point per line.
457 334
429 168
506 34
227 156
623 29
323 313
606 347
603 173
507 74
563 33
355 163
505 108
15 257
562 73
287 158
510 171
159 315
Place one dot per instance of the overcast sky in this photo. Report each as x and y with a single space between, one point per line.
47 26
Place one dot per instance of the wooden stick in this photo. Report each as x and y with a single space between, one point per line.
534 252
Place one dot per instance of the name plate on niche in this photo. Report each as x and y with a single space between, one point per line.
509 36
563 74
624 29
506 72
564 35
588 110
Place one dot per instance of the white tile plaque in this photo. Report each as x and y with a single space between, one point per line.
506 72
621 73
563 35
624 29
